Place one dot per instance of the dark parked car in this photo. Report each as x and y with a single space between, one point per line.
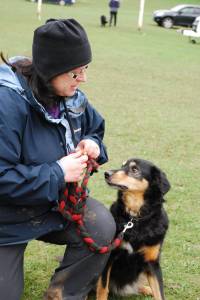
183 15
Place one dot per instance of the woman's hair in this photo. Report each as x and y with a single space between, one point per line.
42 90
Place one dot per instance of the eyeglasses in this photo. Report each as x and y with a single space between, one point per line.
75 76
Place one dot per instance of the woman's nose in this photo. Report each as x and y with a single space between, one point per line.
82 77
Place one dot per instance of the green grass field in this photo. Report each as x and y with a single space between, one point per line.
146 85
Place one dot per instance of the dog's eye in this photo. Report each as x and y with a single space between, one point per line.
134 169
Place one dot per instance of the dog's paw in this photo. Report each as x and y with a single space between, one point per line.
145 290
53 294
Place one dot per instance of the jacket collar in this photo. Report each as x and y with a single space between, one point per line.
75 104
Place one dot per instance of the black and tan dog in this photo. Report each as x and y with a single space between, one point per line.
134 268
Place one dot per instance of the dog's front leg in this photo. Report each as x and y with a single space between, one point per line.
155 279
103 285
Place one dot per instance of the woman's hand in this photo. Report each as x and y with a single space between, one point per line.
73 166
89 147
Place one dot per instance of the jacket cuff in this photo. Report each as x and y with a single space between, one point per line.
57 170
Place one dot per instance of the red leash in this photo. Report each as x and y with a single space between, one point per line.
72 204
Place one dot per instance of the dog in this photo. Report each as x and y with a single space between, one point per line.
134 267
103 21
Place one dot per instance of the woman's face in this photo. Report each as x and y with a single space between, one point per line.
66 84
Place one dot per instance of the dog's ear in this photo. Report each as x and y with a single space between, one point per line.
160 179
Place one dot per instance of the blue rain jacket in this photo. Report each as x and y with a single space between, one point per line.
31 142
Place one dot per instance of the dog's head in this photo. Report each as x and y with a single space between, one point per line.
139 182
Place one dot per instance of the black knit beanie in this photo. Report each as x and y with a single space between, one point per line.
60 46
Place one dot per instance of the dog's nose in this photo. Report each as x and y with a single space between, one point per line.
107 174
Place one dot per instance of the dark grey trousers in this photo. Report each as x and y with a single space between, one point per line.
80 268
113 15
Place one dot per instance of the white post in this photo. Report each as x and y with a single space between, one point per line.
141 14
39 9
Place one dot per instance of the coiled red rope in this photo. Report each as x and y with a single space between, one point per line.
72 204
